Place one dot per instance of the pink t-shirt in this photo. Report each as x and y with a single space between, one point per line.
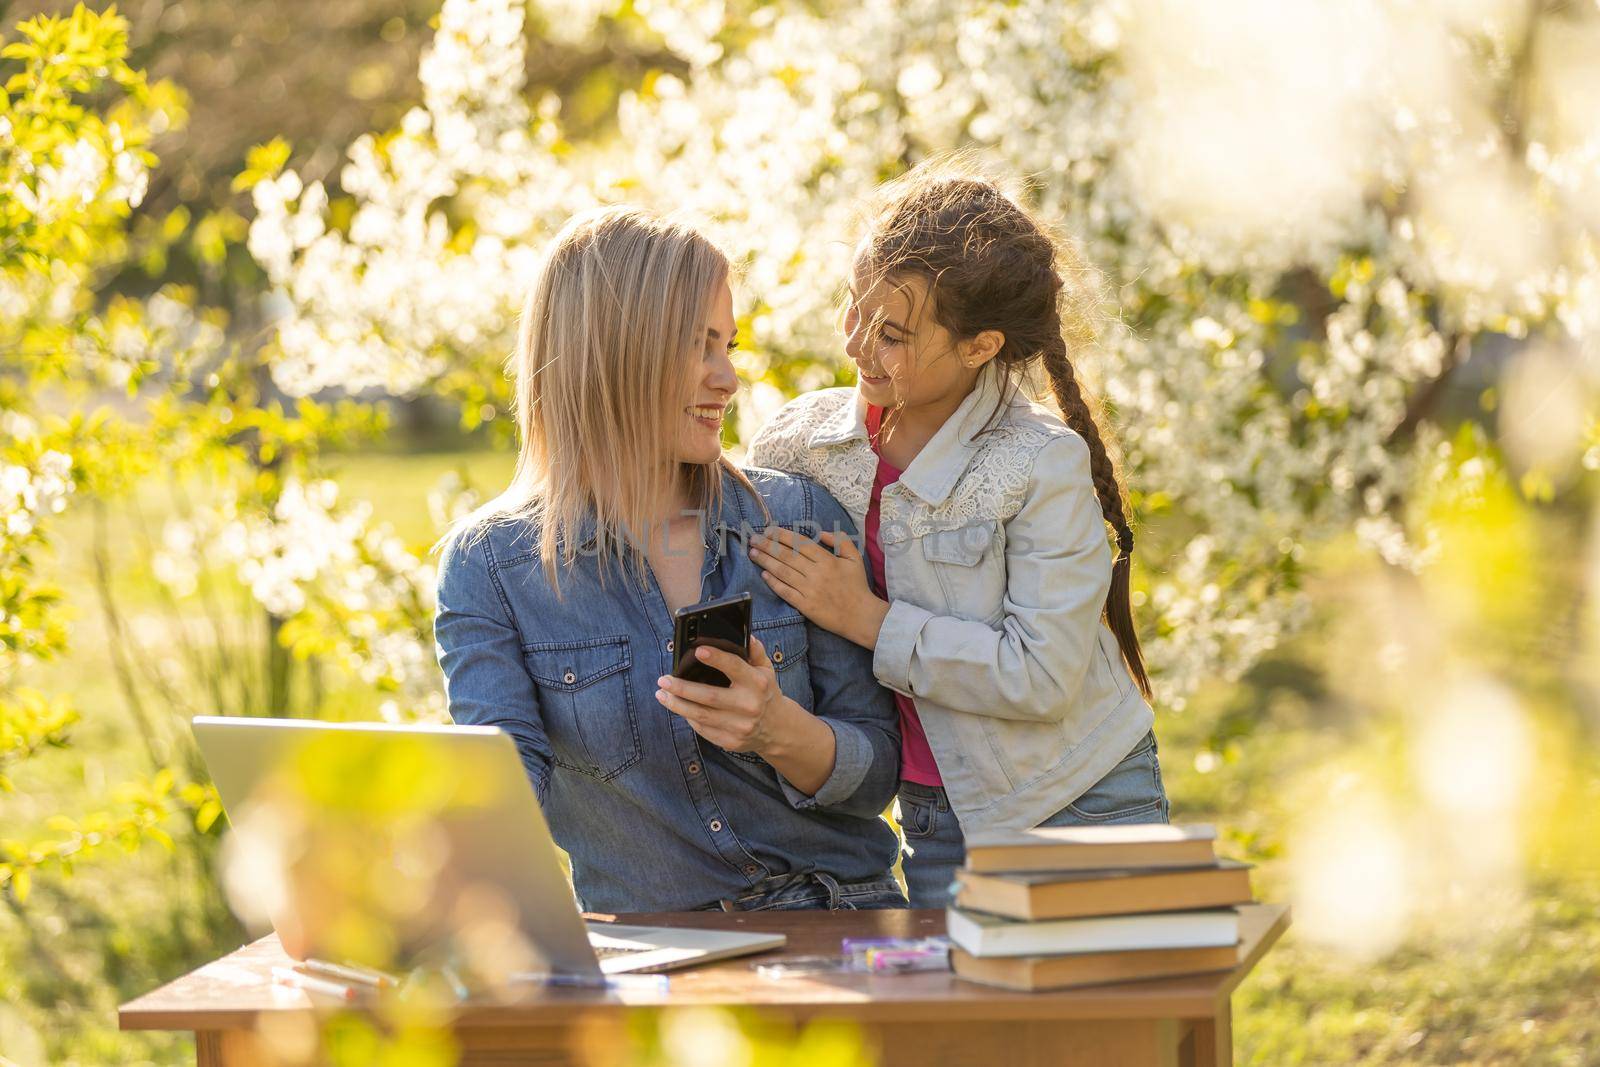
916 758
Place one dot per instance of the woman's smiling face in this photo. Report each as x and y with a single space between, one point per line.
712 383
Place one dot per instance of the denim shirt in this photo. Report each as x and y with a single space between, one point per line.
653 816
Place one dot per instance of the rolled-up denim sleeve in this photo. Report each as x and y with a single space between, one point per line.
859 711
1058 569
480 651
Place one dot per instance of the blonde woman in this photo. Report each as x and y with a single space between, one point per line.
555 607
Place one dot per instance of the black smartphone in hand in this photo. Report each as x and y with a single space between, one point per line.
723 623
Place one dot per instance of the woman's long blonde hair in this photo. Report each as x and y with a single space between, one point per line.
615 317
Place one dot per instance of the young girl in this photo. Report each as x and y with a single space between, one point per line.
987 594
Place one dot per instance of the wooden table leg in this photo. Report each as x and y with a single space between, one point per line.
230 1048
1209 1042
1089 1043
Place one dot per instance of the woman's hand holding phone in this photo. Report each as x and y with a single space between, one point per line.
746 716
751 714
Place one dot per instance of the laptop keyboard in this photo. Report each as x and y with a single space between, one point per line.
607 947
611 952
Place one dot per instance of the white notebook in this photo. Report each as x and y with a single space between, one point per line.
990 935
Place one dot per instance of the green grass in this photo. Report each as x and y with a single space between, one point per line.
1528 996
123 924
397 486
1502 982
1521 987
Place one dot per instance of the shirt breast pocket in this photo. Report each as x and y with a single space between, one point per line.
587 704
785 642
970 568
786 645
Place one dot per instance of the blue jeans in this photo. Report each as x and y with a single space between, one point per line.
935 847
796 892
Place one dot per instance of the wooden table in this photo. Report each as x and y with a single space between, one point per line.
927 1020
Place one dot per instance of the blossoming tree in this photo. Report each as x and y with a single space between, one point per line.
76 122
1301 236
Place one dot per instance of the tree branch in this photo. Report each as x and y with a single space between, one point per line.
1426 398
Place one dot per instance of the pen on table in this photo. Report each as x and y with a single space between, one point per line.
457 986
343 973
311 983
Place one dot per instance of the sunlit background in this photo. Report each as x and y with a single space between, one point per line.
259 271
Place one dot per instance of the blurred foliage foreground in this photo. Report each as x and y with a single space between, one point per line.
1405 741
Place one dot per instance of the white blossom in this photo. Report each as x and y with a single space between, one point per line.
311 555
1204 162
27 492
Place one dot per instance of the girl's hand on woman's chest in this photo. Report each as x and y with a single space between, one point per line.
827 582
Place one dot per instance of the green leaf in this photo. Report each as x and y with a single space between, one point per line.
206 817
262 162
1537 486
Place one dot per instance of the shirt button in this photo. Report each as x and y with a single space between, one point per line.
569 677
777 655
750 868
716 826
669 646
693 768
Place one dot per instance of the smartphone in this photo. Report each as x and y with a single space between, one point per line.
723 623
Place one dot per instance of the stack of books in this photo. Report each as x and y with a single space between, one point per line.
1057 907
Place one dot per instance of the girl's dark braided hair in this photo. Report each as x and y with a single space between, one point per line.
990 266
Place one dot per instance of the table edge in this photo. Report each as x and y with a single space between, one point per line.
1006 1006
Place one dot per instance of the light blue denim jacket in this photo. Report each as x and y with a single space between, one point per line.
997 564
653 816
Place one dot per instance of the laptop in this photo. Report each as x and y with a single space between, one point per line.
389 840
